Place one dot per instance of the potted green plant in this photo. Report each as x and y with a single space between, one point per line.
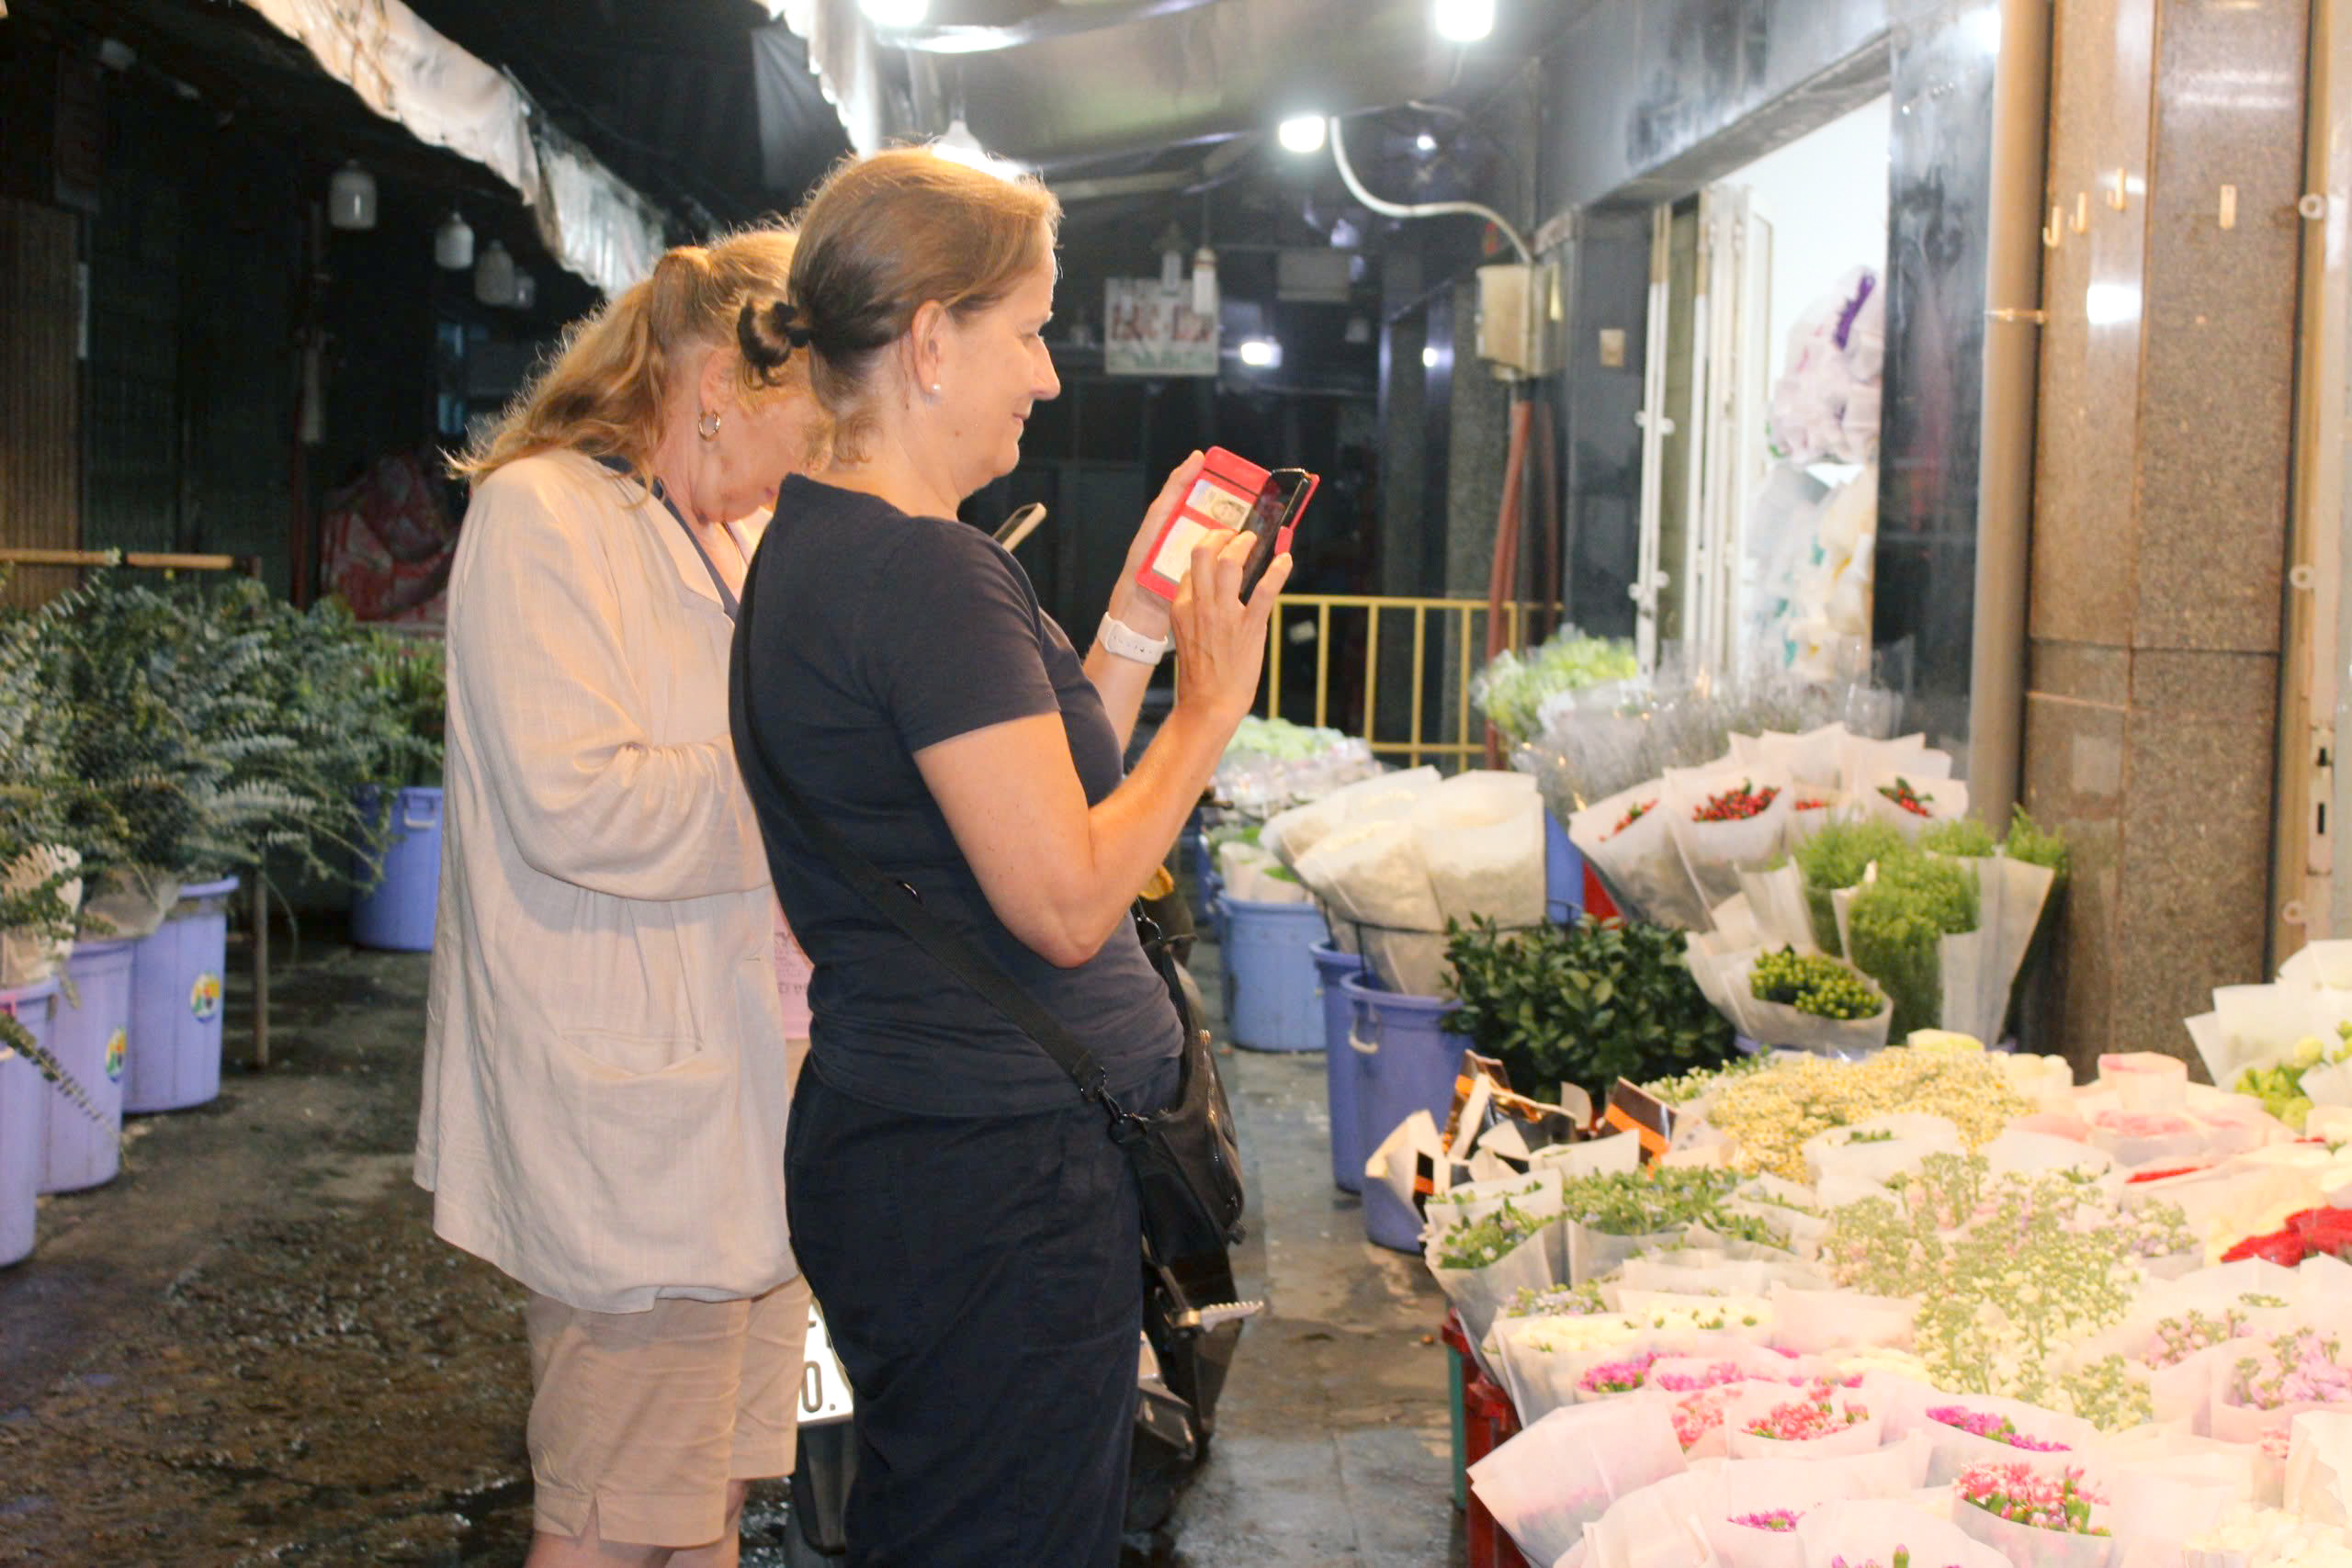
40 879
1587 1003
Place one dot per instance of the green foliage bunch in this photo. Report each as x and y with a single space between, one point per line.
1812 982
167 731
37 788
1586 1004
1964 838
1897 925
1835 858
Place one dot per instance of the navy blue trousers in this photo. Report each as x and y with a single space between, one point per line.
981 1280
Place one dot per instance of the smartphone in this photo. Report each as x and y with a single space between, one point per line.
1273 518
1232 492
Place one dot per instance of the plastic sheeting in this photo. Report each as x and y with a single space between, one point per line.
842 56
591 222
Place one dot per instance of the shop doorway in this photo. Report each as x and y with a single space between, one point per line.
1759 417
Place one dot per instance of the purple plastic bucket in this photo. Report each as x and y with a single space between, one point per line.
175 1002
395 914
1331 966
90 1041
1406 1061
22 1093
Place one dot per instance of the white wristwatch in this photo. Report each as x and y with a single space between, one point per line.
1121 640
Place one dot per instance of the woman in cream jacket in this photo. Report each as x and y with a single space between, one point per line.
606 1070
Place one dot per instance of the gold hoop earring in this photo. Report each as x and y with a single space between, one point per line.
707 426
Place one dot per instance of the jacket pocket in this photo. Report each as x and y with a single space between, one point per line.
654 1143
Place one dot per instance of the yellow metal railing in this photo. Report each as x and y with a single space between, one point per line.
1462 644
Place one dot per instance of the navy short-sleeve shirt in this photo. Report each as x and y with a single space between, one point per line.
873 636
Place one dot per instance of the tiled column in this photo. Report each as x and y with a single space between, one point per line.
2160 505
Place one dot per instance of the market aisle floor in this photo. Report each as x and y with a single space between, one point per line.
251 1349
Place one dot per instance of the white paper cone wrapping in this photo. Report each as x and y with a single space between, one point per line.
1777 905
1481 838
1563 1471
1717 851
1641 865
1864 1531
2318 1483
2023 1546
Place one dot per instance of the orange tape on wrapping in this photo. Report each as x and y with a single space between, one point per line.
1653 1141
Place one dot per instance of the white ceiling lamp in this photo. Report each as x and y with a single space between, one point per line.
1171 260
1430 356
453 244
494 275
958 145
1425 145
895 14
1261 353
1301 133
351 198
1462 21
1205 282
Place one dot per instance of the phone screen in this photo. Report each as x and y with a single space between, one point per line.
1270 517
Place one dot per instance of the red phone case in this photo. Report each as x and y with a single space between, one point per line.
1220 498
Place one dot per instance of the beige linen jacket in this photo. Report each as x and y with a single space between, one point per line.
605 1070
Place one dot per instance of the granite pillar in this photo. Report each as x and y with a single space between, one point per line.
2162 461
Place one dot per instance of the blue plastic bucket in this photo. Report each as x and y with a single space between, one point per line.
91 1042
1331 966
1563 873
1271 1001
1406 1061
176 994
396 913
23 1092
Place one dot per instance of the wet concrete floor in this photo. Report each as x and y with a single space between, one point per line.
251 1349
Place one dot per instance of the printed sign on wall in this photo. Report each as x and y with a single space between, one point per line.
1148 331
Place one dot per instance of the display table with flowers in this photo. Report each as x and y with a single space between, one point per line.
1939 1307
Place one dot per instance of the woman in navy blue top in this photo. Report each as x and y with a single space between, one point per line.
967 1224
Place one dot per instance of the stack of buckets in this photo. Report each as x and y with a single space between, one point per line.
140 1032
1387 1056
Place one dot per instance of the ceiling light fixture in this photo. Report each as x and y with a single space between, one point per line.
453 244
351 198
1425 144
1301 133
958 145
1462 21
1261 353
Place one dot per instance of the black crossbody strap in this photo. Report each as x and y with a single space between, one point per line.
900 905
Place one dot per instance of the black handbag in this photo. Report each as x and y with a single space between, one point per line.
1187 1164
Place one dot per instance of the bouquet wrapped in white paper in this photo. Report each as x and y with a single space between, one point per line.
1564 1471
1627 840
1870 1534
1725 818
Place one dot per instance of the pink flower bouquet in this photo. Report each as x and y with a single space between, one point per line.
2038 1516
1763 1422
2265 1386
1976 1429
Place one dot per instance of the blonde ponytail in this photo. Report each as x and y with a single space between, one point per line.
604 390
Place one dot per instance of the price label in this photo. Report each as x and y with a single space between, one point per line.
824 1387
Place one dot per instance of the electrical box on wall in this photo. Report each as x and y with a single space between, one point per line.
1521 319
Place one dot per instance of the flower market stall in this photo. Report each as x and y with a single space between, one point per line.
1936 1304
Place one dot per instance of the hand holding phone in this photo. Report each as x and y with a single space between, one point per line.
1230 494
